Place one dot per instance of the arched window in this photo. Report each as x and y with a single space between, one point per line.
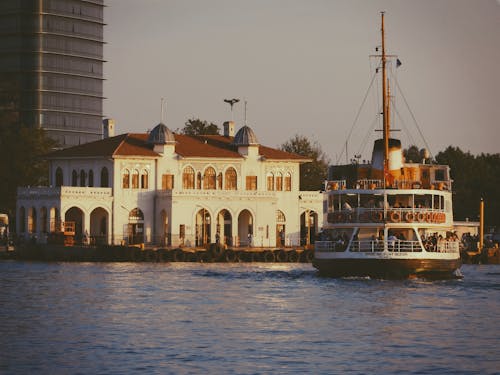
32 220
135 179
270 181
144 179
288 182
198 181
279 181
280 217
188 178
91 178
126 179
104 177
74 178
59 177
209 179
231 182
135 215
82 178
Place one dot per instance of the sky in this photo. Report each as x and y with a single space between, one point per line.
304 67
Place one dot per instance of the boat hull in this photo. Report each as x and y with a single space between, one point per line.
388 268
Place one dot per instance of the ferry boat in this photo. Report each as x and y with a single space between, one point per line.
388 218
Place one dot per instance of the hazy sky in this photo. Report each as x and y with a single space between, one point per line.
304 68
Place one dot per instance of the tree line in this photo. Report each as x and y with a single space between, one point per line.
474 176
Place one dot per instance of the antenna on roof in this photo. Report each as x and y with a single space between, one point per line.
232 102
245 112
163 110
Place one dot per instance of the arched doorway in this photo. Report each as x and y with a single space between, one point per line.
135 228
280 228
245 228
75 215
308 227
32 220
55 220
99 226
203 234
224 233
165 234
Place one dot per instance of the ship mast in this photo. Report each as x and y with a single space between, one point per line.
385 105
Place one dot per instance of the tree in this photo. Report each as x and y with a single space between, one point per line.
21 160
312 174
474 177
199 127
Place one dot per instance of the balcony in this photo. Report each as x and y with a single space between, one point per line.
41 192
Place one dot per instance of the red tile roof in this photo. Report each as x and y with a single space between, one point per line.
136 144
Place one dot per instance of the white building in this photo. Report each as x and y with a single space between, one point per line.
169 189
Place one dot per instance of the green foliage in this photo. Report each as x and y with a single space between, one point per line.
199 127
21 162
474 177
312 174
412 154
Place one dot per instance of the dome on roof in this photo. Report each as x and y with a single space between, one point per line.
245 137
161 134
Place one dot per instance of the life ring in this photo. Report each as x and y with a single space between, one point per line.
428 217
421 217
409 217
395 216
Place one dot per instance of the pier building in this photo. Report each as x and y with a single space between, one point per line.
167 189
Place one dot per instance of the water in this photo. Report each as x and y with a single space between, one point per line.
126 318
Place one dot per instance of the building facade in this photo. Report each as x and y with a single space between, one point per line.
168 189
51 66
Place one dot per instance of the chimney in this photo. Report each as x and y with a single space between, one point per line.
108 128
228 129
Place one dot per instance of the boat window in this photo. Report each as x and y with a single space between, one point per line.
371 201
400 201
403 234
338 235
370 234
349 201
423 201
439 175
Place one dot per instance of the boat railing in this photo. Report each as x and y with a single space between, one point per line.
367 246
443 246
330 246
392 215
372 184
392 246
335 185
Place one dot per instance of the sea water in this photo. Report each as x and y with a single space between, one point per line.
191 318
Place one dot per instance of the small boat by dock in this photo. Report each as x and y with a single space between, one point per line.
388 218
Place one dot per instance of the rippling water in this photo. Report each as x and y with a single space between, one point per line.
242 319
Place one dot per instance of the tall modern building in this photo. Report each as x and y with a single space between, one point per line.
51 66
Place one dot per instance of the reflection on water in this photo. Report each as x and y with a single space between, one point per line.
242 318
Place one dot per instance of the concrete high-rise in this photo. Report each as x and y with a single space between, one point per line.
51 66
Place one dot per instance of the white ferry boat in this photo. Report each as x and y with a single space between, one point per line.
388 217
